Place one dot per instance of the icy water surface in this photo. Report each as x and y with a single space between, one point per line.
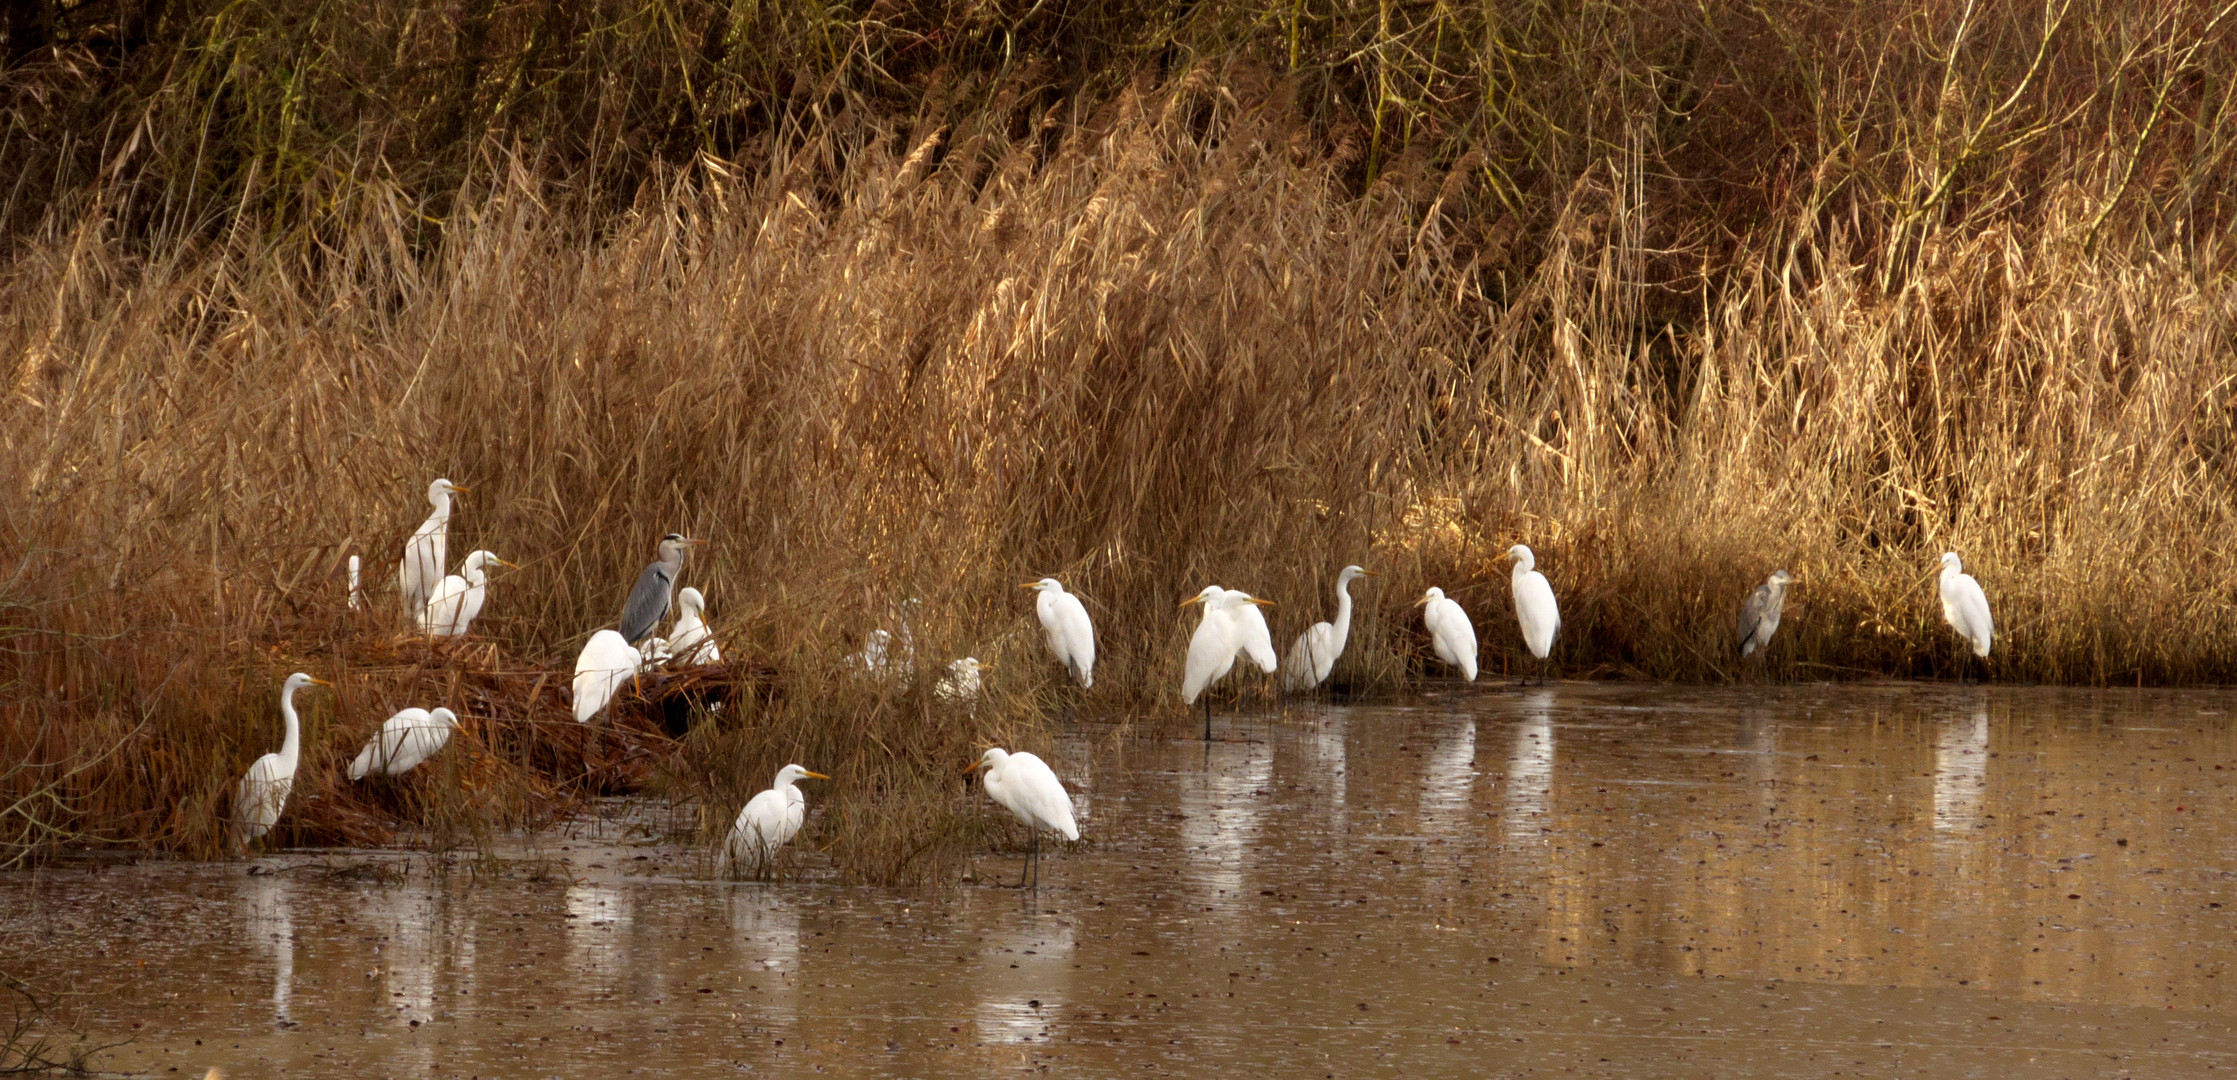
1625 880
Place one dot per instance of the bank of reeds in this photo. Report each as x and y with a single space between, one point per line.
1674 301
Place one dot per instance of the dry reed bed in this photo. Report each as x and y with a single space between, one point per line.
1174 338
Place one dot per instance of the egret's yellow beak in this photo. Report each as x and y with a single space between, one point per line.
973 767
1029 585
513 565
319 681
1191 600
462 490
1424 599
812 775
1264 603
986 665
1370 573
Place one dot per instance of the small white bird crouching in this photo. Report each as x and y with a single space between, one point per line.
405 739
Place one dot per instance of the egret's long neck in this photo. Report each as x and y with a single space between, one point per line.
291 748
1343 613
475 575
441 501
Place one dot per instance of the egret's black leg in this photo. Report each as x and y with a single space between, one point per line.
1207 719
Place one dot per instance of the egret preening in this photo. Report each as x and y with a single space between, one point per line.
962 685
427 553
263 792
1965 606
1220 637
606 662
1534 605
692 641
405 740
1451 636
1024 785
1759 616
656 587
459 599
357 593
768 821
1065 626
1317 649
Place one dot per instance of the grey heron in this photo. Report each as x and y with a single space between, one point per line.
655 589
1759 615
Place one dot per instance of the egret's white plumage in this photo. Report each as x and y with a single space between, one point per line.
768 820
1534 603
1317 649
1253 636
606 662
1066 628
1025 786
263 792
692 641
962 684
1212 648
427 553
357 592
1451 635
1965 606
873 662
405 739
458 601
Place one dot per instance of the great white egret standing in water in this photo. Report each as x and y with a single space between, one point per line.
1066 628
606 662
405 739
1220 637
458 601
263 792
1451 635
655 589
1535 609
427 553
1759 616
768 821
1317 649
692 641
1025 786
1965 607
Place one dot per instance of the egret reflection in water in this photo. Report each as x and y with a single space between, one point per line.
1449 779
1530 773
271 923
1027 978
1960 772
1220 809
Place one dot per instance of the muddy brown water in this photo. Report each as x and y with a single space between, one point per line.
1609 880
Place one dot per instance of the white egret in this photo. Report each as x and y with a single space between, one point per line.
1067 629
1965 606
1025 786
655 589
606 662
692 641
1220 637
1759 616
405 739
962 684
1254 639
871 662
263 792
1534 605
1317 649
458 601
357 593
768 820
1451 635
427 553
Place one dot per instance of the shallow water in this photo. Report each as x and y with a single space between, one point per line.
1617 880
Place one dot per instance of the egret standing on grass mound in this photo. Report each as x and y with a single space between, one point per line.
406 739
656 587
1965 607
606 662
1759 616
768 821
1451 635
692 641
458 601
263 792
1317 649
1534 606
1220 637
1025 786
1065 626
427 553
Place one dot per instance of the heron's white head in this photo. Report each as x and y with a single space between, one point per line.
791 773
690 600
969 665
443 716
1047 584
1781 577
1524 560
1951 563
880 636
1432 596
439 493
1210 593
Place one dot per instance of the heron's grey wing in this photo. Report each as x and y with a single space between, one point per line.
648 603
1751 618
